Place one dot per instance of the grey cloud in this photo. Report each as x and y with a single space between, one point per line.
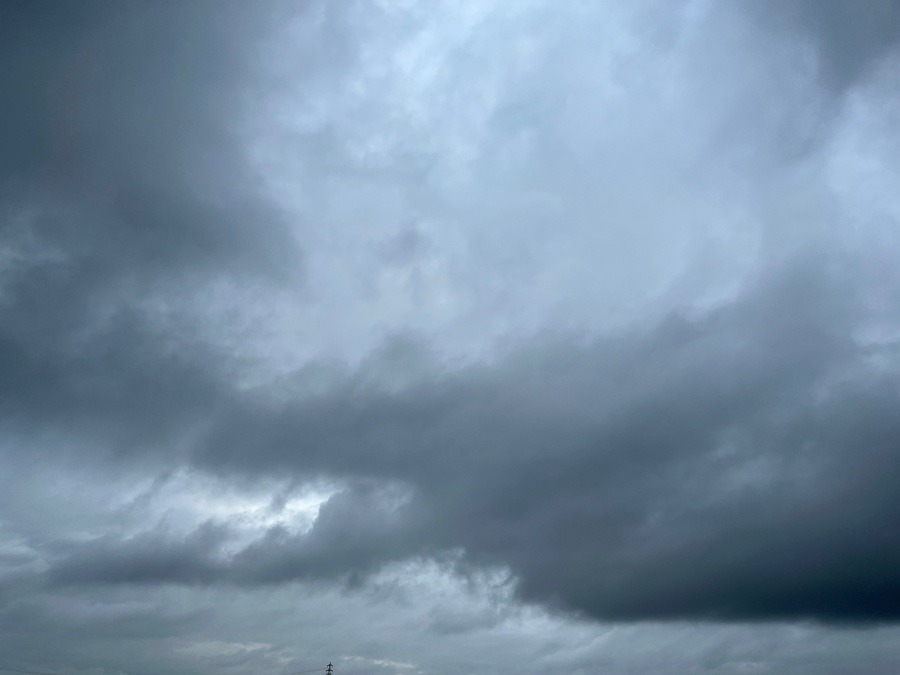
121 164
732 466
357 531
146 558
847 36
722 449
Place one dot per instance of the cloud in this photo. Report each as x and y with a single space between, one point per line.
628 479
465 324
847 40
123 182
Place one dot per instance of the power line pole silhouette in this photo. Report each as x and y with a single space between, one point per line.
330 669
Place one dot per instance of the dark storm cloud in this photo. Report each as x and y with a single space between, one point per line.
357 531
848 36
120 172
730 456
736 466
147 558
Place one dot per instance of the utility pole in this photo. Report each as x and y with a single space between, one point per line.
330 669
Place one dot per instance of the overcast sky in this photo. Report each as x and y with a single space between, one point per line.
450 337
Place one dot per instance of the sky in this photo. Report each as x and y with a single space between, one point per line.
449 337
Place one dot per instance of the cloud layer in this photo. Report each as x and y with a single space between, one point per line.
579 318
